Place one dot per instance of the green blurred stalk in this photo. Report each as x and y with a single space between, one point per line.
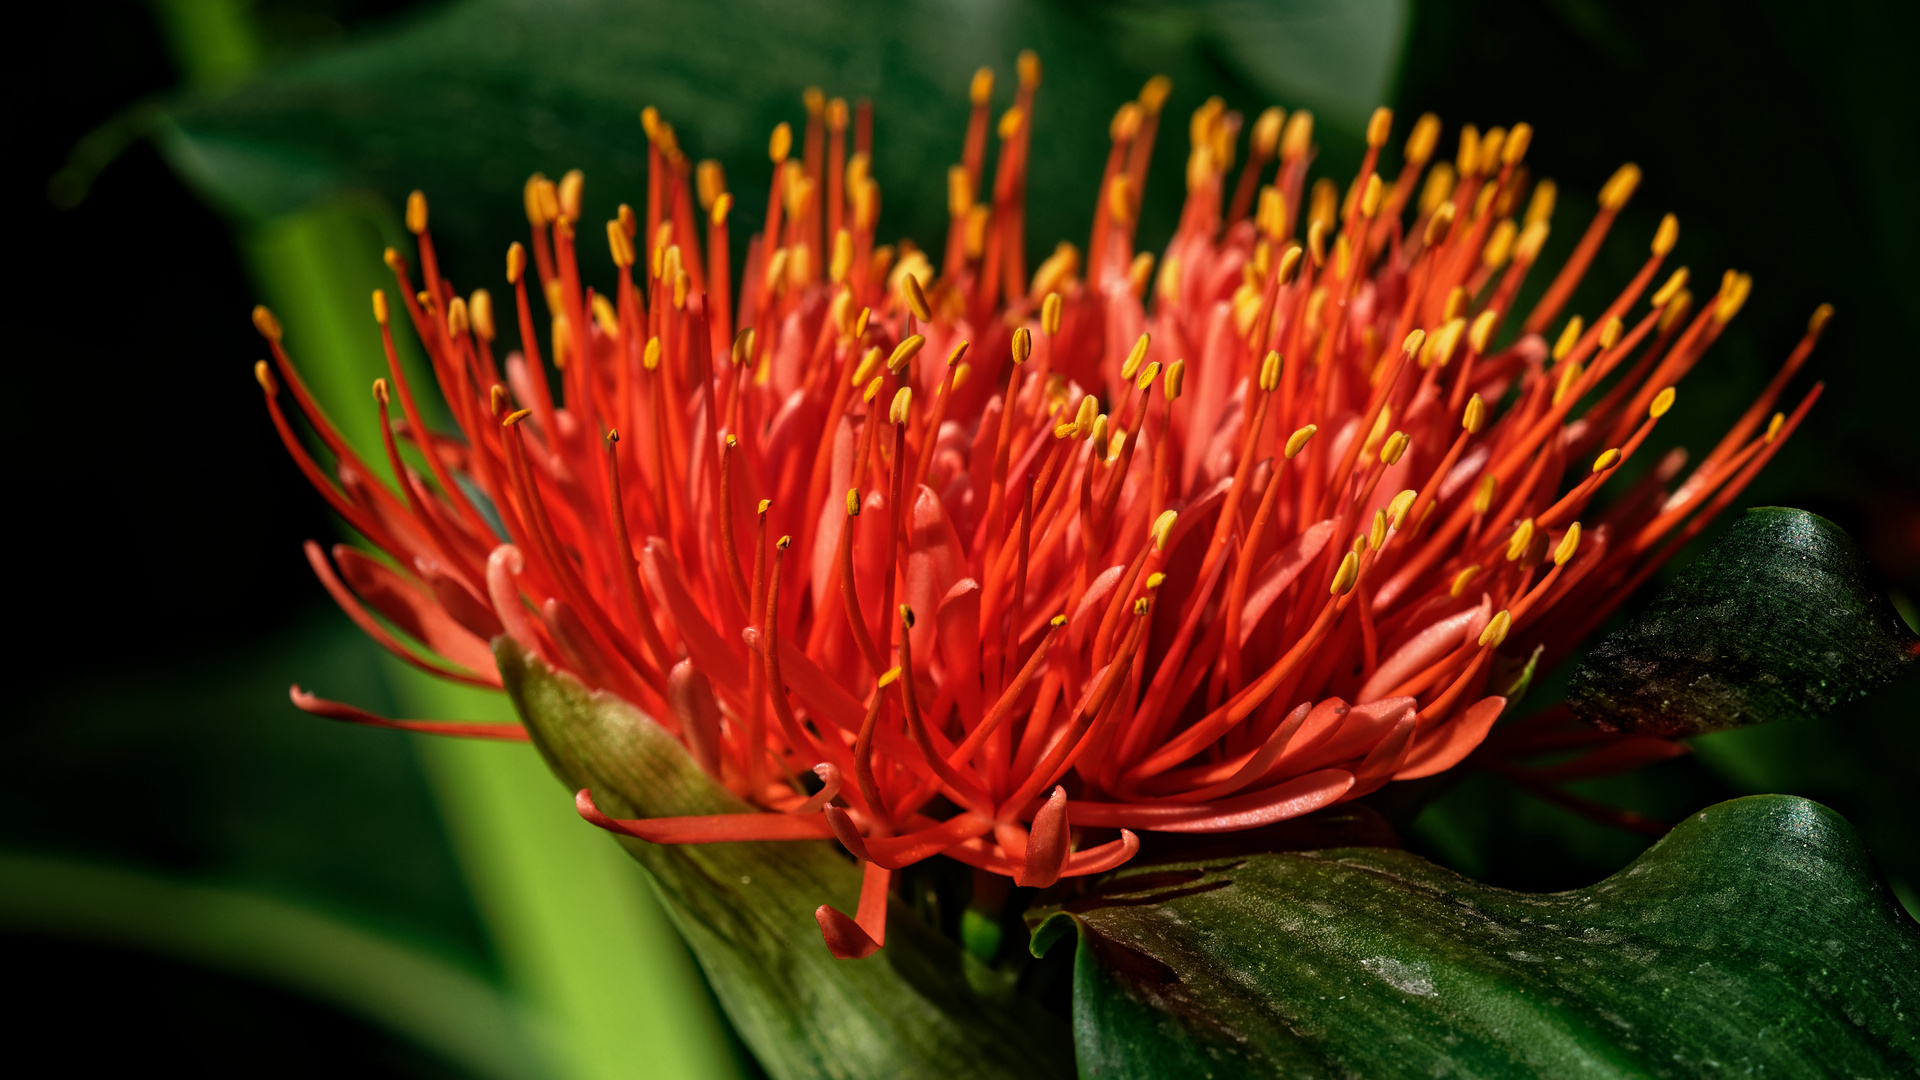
584 940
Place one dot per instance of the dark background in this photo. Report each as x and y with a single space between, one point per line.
157 523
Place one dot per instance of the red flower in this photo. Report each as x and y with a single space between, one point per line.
1010 558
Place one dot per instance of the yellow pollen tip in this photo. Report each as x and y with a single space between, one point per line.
764 505
902 398
1176 379
1022 345
1610 331
1496 631
532 198
783 543
853 502
1661 403
1270 372
1265 138
619 243
1532 239
890 677
904 353
1733 295
380 391
981 89
1483 494
1027 66
515 417
1289 264
1422 140
263 375
480 305
1370 196
1379 126
516 262
1480 334
569 192
1348 573
1142 606
497 398
1438 224
780 143
1773 426
1009 125
1162 528
1057 621
1397 509
417 212
1153 96
1359 545
1475 416
1569 337
1518 140
958 351
629 224
1620 187
873 388
457 322
380 306
1100 437
1608 459
1667 235
722 204
1396 446
1050 314
1377 535
960 375
1135 356
916 298
1461 580
1297 139
1147 375
1569 544
906 616
1822 315
1411 346
1155 580
265 322
1521 540
650 355
869 363
1297 441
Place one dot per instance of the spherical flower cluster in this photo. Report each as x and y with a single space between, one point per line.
1015 563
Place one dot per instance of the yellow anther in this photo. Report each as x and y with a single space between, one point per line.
1057 621
784 543
380 391
954 354
742 351
1496 631
1297 138
1773 426
1569 337
902 399
959 191
780 144
1569 375
1143 605
424 299
1153 96
1422 140
263 375
265 322
603 315
1377 535
1532 239
1265 137
1569 544
868 366
1134 356
1608 459
1009 125
1289 264
873 388
1022 344
1027 66
1084 416
765 505
1468 154
537 197
709 182
497 399
1379 126
1444 343
722 203
1521 540
1297 441
1155 580
1480 334
1483 494
1675 282
379 307
1270 372
1733 295
1162 528
904 353
629 224
960 375
1359 545
1676 310
1434 192
480 307
568 194
1397 509
1348 573
620 244
860 323
1487 156
417 212
1540 207
1620 187
980 91
650 356
1475 417
1415 339
1147 375
1518 140
1050 314
516 262
906 616
892 675
1667 235
1438 224
853 502
1100 440
514 418
1499 246
1661 403
1817 325
1140 273
916 297
1461 580
1175 380
1370 196
457 322
1396 446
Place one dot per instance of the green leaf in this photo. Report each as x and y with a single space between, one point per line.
746 909
469 101
1778 620
1755 939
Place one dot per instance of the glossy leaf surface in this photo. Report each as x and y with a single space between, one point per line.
1755 939
919 1007
1779 620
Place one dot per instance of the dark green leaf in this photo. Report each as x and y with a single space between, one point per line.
919 1007
1755 939
1778 620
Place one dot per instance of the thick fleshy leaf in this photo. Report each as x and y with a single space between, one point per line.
1755 939
1779 620
746 909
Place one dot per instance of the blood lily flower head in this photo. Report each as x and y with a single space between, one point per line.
1011 563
